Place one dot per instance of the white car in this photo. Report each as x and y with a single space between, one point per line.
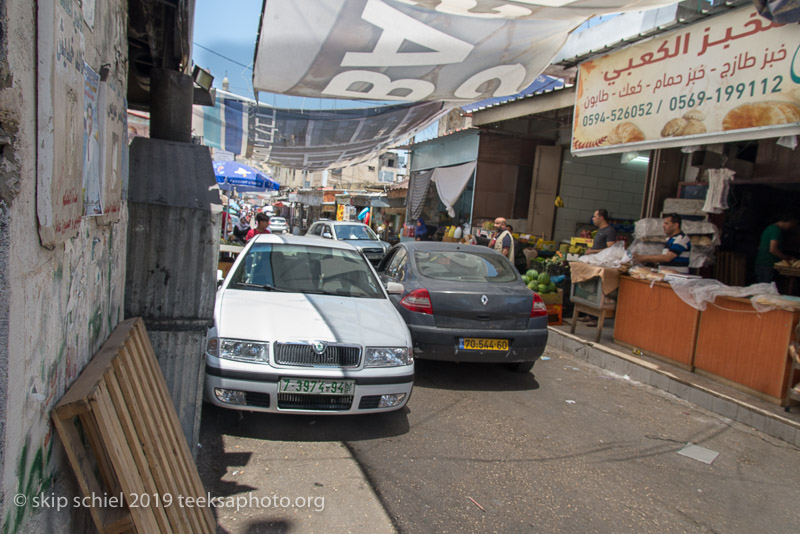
278 225
357 234
303 325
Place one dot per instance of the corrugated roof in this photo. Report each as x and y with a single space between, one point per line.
518 98
678 23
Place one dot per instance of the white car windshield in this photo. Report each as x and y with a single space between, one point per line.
305 269
354 232
277 220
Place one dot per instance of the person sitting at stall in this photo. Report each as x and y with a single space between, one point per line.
421 231
770 249
242 227
675 255
606 234
262 221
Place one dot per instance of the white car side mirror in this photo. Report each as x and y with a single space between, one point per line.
327 235
393 288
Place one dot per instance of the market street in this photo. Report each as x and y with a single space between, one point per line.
479 449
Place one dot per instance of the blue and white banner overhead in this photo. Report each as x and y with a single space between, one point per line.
412 50
223 126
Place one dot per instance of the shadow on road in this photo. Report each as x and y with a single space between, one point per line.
289 427
471 377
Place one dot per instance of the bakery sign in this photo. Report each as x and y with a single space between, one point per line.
731 78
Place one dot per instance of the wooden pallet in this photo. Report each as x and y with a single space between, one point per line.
123 439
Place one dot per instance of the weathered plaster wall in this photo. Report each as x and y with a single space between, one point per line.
56 306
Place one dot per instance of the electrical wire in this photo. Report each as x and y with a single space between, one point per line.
223 57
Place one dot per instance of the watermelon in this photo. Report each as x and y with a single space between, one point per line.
526 279
544 279
542 288
552 288
533 285
532 274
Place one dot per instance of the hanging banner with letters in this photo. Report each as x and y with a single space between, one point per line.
412 50
731 78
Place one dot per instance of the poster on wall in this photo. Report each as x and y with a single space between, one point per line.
730 78
60 81
113 132
92 187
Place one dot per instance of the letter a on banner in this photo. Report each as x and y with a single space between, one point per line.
397 28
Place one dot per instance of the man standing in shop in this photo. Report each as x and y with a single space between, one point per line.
769 251
503 241
606 234
675 255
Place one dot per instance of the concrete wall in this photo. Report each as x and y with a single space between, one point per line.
57 306
595 182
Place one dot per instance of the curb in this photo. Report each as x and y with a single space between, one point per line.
658 377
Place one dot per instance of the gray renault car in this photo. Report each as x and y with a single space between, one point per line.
466 303
357 234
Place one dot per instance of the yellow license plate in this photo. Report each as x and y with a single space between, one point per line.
473 343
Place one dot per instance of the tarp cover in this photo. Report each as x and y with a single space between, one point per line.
450 183
418 190
413 50
308 139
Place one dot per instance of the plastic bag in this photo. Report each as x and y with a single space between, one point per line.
613 256
697 293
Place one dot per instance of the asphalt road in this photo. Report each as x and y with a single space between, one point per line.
567 448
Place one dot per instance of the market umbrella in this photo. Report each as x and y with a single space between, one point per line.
232 174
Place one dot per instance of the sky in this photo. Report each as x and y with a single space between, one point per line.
224 43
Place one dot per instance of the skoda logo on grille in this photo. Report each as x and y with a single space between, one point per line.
484 300
318 346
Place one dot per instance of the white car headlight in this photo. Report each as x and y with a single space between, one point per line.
388 356
243 351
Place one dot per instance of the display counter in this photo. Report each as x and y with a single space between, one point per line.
746 349
227 256
656 321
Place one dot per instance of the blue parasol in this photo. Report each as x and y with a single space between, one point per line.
232 174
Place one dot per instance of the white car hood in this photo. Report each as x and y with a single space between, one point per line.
277 316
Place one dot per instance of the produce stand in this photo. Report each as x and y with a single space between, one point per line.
227 256
653 319
599 305
746 349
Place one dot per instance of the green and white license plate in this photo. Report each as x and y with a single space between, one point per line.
476 343
315 386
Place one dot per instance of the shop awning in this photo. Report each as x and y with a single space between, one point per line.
378 203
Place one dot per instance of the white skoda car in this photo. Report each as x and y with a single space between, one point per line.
303 325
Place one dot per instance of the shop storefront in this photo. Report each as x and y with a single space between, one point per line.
715 108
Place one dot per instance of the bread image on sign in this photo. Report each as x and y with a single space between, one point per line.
625 132
690 124
761 114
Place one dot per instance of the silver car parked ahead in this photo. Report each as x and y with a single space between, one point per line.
357 234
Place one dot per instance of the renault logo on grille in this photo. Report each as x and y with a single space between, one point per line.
484 300
318 346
